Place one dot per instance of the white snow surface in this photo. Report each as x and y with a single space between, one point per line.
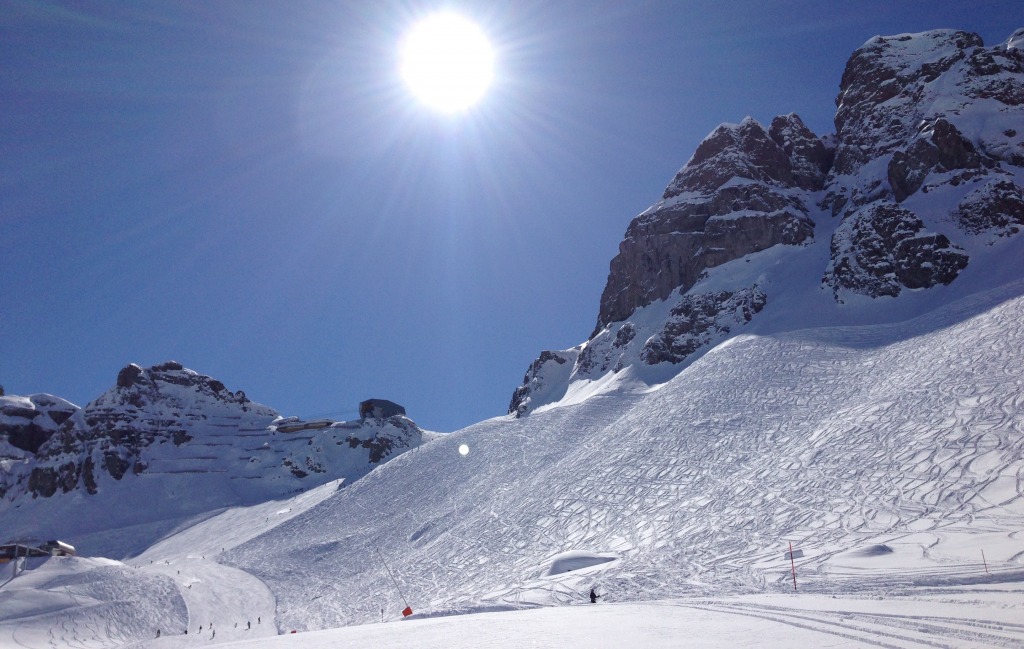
889 454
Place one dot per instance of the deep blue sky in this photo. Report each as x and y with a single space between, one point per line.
246 187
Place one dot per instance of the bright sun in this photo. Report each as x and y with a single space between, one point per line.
447 62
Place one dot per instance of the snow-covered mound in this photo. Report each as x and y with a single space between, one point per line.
76 602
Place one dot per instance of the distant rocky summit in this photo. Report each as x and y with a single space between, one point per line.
164 424
924 171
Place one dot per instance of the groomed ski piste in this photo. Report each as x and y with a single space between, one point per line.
889 455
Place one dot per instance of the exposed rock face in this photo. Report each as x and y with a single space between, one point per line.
918 98
927 154
807 154
550 371
878 107
739 194
997 206
938 109
163 404
170 421
401 433
940 148
699 319
26 423
882 248
742 150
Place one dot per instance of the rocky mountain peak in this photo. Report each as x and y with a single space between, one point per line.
166 428
788 154
938 99
738 194
926 163
809 157
879 104
170 382
935 113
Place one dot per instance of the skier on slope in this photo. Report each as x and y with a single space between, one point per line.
593 596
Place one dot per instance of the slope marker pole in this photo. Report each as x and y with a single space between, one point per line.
397 587
984 561
792 563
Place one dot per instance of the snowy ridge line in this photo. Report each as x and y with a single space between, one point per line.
883 334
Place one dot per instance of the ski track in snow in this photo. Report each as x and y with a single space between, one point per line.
892 456
697 487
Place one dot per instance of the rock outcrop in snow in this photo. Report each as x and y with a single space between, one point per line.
26 423
166 430
131 425
923 171
936 113
740 193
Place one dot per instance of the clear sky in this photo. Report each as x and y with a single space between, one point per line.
247 187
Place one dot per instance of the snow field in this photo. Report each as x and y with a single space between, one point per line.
839 439
890 455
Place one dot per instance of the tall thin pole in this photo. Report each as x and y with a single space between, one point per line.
393 580
985 562
792 563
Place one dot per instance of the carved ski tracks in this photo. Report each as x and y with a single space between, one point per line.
882 629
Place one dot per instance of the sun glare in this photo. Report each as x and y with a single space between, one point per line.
447 62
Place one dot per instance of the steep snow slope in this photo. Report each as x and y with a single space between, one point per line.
908 435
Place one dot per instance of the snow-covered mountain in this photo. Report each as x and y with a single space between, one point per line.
167 442
816 341
921 181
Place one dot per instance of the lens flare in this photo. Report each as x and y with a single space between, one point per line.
447 62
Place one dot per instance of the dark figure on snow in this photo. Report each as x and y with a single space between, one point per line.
248 625
158 633
593 596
